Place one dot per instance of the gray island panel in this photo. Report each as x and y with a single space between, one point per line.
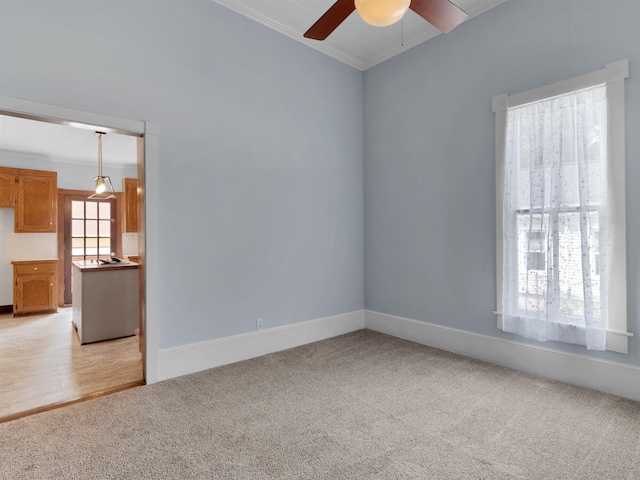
105 301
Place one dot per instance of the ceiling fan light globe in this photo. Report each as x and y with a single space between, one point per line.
382 13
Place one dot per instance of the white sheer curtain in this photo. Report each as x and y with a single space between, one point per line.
554 278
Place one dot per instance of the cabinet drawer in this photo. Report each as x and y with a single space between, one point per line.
39 268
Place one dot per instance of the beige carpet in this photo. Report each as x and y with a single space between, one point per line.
359 406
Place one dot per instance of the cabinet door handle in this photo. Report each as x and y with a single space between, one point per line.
35 268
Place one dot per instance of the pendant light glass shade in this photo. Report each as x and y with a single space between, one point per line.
101 185
382 13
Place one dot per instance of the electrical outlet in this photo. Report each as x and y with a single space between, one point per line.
259 324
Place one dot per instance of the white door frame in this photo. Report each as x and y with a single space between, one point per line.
149 131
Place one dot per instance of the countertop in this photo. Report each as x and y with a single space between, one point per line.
87 266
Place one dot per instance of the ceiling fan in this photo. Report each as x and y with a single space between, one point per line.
442 14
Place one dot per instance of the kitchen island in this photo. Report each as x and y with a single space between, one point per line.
105 300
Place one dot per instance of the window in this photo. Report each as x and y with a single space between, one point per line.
91 230
560 211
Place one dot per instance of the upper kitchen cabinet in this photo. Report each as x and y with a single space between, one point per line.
8 180
36 201
130 205
34 195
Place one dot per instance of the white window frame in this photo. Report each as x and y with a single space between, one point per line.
613 76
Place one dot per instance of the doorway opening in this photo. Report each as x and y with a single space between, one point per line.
92 229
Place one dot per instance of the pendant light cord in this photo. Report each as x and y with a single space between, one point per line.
99 135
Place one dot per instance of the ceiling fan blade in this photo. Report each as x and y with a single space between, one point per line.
328 22
442 14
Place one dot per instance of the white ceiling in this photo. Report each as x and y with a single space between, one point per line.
354 42
63 143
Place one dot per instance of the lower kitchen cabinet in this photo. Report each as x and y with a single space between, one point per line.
35 285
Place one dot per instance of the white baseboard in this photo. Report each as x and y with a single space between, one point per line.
185 359
603 375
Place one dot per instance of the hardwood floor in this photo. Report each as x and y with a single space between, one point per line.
42 362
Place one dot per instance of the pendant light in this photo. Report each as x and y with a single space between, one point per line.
101 185
382 13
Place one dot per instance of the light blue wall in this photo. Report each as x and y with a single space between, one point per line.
429 154
261 187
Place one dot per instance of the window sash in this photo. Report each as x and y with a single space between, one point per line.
566 278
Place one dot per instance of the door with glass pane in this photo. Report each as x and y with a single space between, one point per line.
90 233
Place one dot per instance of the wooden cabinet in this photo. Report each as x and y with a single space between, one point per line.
37 201
35 286
8 180
130 205
34 195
